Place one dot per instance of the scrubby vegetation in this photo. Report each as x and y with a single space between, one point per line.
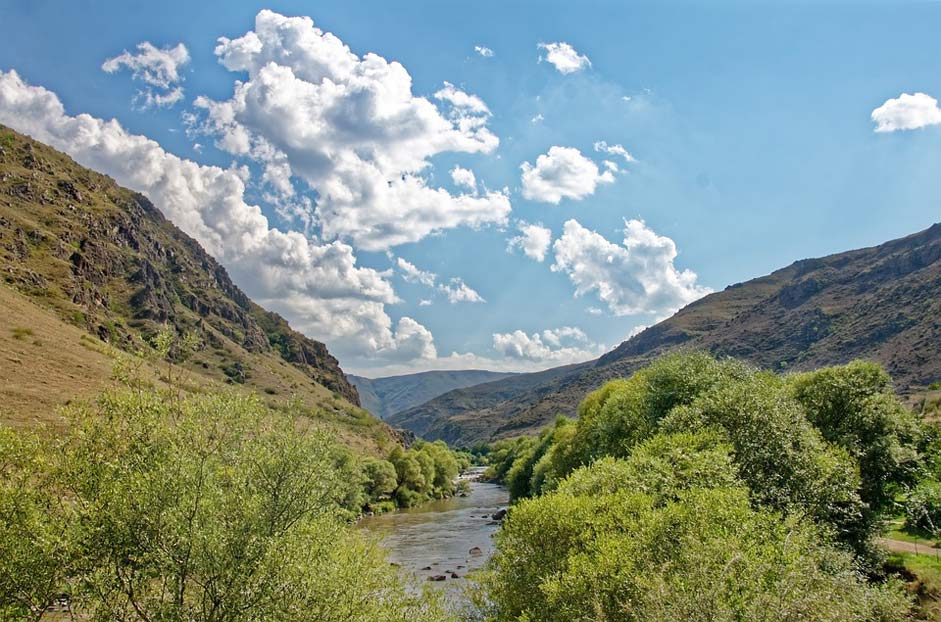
197 508
162 504
704 489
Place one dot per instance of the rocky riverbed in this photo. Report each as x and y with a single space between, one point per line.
443 540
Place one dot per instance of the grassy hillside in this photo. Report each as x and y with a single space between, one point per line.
881 304
90 269
384 397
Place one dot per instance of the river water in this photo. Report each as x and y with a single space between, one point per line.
437 538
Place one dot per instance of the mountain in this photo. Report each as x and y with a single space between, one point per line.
881 303
97 269
386 396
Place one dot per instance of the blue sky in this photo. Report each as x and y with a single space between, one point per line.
747 132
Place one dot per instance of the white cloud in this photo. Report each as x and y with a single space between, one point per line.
352 129
318 286
533 240
563 172
424 302
159 68
457 291
907 112
594 311
464 177
559 346
484 51
617 150
412 274
636 277
537 119
564 57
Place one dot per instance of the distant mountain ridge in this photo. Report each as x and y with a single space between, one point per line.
386 396
105 260
881 303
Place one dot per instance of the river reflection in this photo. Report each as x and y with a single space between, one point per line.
437 538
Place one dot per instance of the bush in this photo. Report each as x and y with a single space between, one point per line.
596 547
854 407
923 507
780 456
204 508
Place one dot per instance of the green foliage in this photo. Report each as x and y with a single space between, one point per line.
935 386
596 549
425 471
662 467
203 508
503 454
835 445
624 412
780 455
923 507
37 552
381 478
854 407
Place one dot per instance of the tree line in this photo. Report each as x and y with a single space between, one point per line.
704 489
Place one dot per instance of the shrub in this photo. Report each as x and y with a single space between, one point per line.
598 549
854 407
923 507
202 508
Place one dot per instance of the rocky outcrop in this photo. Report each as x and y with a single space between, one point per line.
107 260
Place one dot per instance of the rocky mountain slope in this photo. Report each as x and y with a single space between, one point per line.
881 303
78 249
384 397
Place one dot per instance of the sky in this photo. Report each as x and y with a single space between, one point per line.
496 185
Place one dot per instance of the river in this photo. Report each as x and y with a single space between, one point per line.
437 538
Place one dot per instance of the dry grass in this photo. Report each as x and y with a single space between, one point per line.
46 363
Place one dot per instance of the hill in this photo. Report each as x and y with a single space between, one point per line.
881 303
90 269
386 396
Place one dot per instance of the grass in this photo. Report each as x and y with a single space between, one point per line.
21 333
924 583
896 529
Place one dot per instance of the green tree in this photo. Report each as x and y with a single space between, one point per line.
381 478
207 509
37 550
409 476
855 407
596 549
781 457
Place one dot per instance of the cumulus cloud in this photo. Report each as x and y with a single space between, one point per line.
464 177
533 240
413 274
907 112
559 346
351 128
637 276
456 290
158 68
617 150
484 51
564 57
538 118
561 173
318 286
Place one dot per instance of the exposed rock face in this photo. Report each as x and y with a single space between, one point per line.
106 259
881 303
